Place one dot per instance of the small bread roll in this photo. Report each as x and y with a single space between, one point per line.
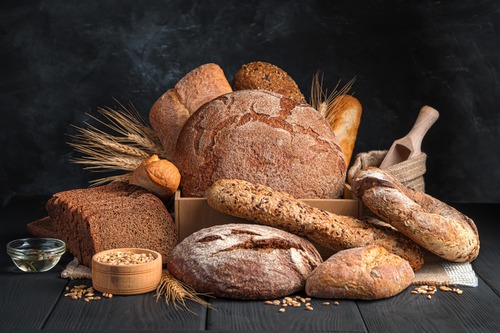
169 113
260 75
344 120
367 273
159 177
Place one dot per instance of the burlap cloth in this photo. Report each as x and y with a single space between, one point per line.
410 172
436 271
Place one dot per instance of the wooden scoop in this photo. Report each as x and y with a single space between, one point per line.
410 145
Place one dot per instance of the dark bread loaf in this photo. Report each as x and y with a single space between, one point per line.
366 273
264 138
244 261
263 205
261 75
169 113
111 216
431 223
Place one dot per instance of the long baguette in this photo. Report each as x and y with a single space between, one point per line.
263 205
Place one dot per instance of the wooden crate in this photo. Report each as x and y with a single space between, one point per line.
193 214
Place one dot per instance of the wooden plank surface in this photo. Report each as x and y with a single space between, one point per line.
35 301
27 299
231 315
476 310
487 265
136 312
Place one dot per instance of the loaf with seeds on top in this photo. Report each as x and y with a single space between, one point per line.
261 204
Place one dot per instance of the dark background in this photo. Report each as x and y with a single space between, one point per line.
62 59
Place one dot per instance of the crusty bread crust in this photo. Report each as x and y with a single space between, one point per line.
434 225
244 261
345 122
365 273
169 113
262 137
263 205
266 76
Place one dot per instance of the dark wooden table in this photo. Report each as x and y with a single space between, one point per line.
36 301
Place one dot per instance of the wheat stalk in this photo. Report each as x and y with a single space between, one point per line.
327 104
123 144
177 292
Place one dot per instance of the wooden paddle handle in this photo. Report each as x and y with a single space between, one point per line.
426 118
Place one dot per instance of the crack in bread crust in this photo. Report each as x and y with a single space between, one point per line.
262 137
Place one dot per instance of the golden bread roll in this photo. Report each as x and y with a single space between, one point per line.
260 75
159 177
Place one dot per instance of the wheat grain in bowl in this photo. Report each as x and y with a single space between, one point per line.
126 271
125 258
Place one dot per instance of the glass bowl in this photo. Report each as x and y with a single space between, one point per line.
36 254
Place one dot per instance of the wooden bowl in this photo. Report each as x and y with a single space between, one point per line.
126 279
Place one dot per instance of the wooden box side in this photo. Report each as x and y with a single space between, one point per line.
193 214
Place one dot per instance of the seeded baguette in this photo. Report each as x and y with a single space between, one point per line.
261 204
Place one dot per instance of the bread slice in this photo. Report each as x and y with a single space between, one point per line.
111 216
42 228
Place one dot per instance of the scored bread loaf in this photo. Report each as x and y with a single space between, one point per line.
169 113
261 75
259 203
434 225
263 137
244 261
111 216
367 273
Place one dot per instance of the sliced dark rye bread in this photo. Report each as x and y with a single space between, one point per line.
111 216
42 228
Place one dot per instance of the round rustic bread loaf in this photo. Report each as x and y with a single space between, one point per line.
244 261
264 138
369 272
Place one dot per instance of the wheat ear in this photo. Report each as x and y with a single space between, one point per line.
327 104
124 141
177 292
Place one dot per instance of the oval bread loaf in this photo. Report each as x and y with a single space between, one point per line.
434 225
365 273
263 205
261 75
243 261
169 113
262 137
